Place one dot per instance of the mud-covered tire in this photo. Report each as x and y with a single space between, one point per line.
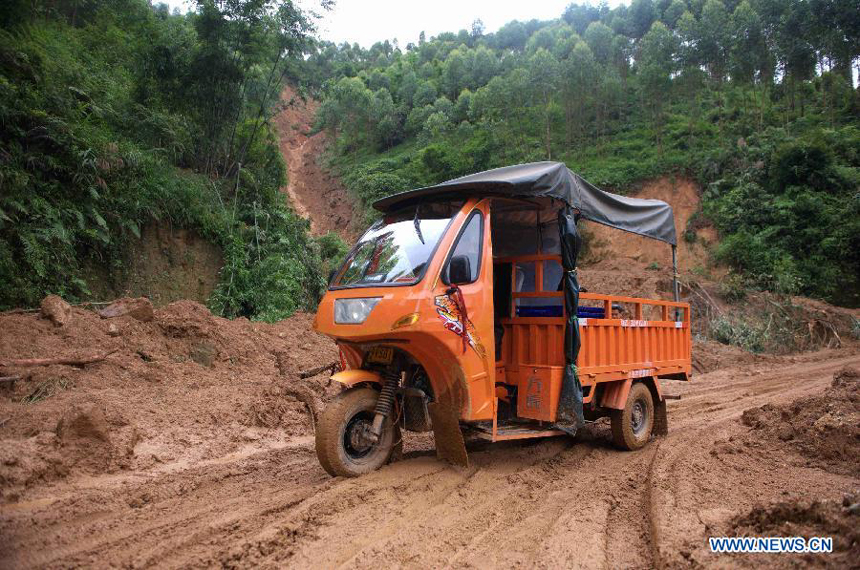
334 450
632 426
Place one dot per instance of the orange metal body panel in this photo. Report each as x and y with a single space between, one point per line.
538 391
612 349
356 376
651 344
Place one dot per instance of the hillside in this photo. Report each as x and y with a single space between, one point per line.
314 192
752 99
120 121
123 121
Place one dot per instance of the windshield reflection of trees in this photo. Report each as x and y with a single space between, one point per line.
384 258
375 260
392 250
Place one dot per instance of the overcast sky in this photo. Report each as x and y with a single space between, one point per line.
369 21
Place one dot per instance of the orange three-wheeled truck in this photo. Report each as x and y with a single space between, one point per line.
461 310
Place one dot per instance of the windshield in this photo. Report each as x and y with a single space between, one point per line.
397 248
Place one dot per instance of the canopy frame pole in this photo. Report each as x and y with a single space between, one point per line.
676 292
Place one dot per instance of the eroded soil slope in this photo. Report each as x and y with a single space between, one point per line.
188 446
167 264
313 191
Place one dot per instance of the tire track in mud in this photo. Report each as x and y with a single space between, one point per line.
163 516
436 493
505 510
651 510
690 493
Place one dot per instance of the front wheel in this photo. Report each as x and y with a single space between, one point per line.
341 438
631 427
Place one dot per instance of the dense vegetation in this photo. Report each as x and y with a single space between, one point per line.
754 98
114 114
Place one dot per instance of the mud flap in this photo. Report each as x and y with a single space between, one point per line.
446 431
661 420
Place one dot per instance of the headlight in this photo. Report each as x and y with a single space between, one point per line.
353 311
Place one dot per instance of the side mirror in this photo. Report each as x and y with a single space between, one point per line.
459 270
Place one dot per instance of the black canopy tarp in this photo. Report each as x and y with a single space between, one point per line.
569 417
650 218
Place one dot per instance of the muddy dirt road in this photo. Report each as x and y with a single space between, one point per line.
551 503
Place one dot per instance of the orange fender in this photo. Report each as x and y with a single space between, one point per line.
350 378
615 394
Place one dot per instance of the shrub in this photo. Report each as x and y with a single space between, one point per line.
736 332
804 163
333 250
733 288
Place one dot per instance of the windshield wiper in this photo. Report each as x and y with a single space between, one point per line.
416 221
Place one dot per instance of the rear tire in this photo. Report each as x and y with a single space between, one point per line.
339 451
632 426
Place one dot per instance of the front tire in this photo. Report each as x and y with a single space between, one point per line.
632 426
341 449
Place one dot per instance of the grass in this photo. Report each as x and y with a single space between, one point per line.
47 388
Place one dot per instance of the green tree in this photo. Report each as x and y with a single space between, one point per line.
407 88
642 15
386 124
796 53
462 108
542 39
512 36
599 38
713 39
424 95
836 27
416 119
454 73
436 126
347 108
656 67
580 16
543 73
443 105
748 51
673 13
621 55
483 66
579 72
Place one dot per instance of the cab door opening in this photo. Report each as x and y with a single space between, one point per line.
528 308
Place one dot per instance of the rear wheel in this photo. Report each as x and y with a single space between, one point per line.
343 447
631 427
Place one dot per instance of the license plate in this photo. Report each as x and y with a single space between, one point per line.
380 355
